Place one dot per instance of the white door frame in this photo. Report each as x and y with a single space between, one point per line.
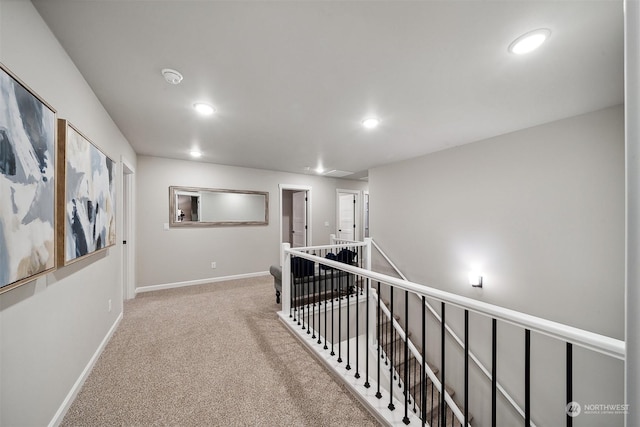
128 218
296 187
359 231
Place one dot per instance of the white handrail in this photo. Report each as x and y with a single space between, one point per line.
321 247
473 357
337 240
590 340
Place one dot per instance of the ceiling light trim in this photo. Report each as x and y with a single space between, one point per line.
204 109
529 41
371 122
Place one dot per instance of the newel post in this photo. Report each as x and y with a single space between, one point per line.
285 256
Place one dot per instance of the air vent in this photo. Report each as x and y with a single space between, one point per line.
171 76
338 174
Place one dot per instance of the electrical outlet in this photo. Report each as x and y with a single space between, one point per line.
109 306
213 264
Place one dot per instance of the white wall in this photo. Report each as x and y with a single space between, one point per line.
541 213
185 254
50 328
632 101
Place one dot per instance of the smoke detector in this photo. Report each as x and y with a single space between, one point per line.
172 76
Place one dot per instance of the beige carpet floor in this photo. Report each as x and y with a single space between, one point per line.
210 355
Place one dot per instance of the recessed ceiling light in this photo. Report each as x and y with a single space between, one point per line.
171 76
203 108
529 41
319 170
370 122
195 153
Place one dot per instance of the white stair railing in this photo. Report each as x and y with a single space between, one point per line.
569 335
457 339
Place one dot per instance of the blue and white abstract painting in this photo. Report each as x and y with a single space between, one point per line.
90 215
27 184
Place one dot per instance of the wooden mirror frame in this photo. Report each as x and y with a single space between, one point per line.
174 191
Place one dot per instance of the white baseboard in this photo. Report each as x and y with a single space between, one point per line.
66 403
151 288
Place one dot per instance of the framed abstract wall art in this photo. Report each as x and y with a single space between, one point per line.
27 183
86 202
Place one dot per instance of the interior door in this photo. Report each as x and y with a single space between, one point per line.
346 216
299 228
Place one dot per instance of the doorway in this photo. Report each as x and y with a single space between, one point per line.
299 219
347 218
295 215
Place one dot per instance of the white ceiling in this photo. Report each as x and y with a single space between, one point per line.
292 80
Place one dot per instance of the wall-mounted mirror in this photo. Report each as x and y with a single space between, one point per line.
211 207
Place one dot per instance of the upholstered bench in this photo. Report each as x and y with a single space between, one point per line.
321 281
276 272
309 277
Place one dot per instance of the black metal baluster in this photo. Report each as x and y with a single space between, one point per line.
393 344
319 304
494 368
569 399
423 374
363 281
385 339
366 347
443 402
406 358
291 306
398 351
415 372
313 306
339 320
357 374
466 367
308 295
333 326
292 281
326 333
349 276
296 287
301 298
527 377
432 397
379 343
